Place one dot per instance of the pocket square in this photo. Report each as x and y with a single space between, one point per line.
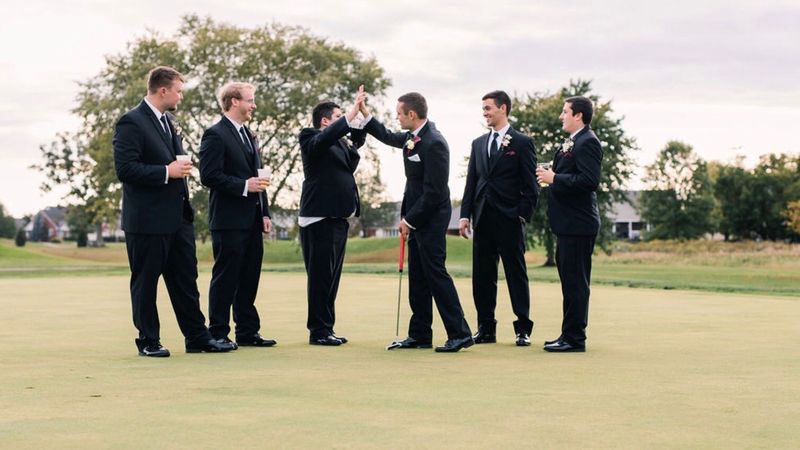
414 158
511 153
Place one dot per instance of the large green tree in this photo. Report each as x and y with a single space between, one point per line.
754 203
537 115
8 228
291 68
679 200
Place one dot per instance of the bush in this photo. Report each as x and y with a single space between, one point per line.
83 239
21 238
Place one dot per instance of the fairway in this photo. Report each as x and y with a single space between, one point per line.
664 369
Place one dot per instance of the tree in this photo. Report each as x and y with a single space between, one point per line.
376 209
21 237
754 203
537 115
793 216
8 227
291 69
680 199
78 222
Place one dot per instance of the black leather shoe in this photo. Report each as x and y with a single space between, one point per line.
208 346
409 342
255 341
454 345
482 337
154 350
563 346
523 340
325 340
341 338
227 341
552 342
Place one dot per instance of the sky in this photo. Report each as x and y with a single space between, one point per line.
718 75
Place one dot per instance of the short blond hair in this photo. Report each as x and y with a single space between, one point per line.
230 91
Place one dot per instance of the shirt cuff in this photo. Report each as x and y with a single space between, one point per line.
244 193
359 124
166 174
409 225
463 218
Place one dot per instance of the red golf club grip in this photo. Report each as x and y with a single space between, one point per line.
402 252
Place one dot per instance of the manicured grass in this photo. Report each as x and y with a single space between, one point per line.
664 369
748 267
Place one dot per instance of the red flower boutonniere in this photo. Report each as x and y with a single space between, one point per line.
411 143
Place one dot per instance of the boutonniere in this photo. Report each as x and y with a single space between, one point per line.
566 147
506 140
411 143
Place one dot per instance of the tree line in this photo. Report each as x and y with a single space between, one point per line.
688 197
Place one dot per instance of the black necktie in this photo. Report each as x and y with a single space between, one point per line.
246 140
493 148
166 125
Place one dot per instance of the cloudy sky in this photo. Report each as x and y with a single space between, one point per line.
719 75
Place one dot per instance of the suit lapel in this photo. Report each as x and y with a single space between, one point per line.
159 129
248 156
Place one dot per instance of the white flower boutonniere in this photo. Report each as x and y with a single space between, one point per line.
566 147
506 140
412 142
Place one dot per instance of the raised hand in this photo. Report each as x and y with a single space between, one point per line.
360 97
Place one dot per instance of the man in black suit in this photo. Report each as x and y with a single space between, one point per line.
157 217
238 215
574 218
425 214
329 196
499 198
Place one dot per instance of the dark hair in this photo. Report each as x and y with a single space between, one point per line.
322 110
162 76
581 105
500 98
414 101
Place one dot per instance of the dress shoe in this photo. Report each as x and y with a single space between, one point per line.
562 346
523 340
324 340
552 342
483 337
409 342
341 338
208 346
454 345
255 341
227 341
154 350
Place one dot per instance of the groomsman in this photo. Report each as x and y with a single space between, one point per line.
425 214
238 215
574 218
157 217
329 196
499 199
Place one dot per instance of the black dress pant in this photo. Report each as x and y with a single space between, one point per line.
428 277
172 255
574 262
234 281
323 245
499 236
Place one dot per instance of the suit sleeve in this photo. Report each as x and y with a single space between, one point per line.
128 154
212 162
469 189
434 185
313 143
529 186
392 139
587 178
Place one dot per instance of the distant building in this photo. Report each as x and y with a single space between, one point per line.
48 224
627 222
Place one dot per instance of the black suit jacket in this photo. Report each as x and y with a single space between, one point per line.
572 202
507 181
426 199
141 152
329 188
225 165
